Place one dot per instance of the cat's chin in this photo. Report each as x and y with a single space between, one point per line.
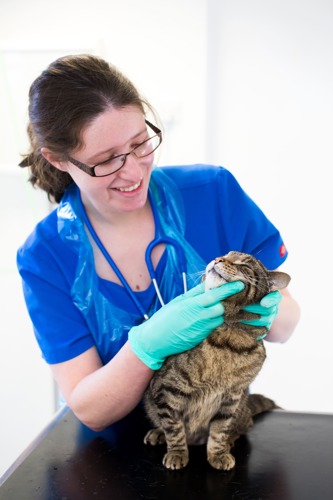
213 280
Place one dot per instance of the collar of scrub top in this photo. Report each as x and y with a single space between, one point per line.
159 238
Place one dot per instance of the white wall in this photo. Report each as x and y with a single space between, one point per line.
247 86
272 68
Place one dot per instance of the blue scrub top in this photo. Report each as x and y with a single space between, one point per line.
218 216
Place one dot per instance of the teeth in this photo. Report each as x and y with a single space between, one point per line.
130 188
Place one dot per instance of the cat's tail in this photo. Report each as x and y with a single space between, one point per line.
259 404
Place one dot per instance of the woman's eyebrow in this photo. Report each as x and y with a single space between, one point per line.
109 150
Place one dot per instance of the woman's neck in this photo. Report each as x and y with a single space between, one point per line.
125 239
120 222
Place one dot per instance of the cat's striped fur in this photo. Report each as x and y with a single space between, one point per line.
202 395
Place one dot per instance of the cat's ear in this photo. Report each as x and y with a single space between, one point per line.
278 280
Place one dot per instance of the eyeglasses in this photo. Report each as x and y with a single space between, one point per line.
115 163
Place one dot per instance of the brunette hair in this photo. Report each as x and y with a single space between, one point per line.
67 96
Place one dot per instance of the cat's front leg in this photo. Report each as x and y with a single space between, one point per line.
218 445
177 455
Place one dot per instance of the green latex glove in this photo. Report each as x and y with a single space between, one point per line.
181 324
267 308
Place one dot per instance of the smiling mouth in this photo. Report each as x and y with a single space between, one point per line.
129 188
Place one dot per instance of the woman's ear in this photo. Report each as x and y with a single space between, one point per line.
54 159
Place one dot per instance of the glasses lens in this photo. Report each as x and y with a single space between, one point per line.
147 147
114 164
110 166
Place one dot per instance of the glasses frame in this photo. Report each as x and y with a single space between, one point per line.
91 170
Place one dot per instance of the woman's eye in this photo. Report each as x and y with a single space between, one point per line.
108 161
138 144
114 158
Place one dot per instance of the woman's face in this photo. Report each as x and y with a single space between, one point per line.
113 132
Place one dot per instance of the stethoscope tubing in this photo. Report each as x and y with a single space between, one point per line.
148 257
149 263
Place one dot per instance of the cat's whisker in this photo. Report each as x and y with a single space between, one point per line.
257 253
196 276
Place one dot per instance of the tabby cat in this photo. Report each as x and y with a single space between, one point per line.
201 395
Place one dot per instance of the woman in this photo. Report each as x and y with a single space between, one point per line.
84 271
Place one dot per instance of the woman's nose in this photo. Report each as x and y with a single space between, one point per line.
133 163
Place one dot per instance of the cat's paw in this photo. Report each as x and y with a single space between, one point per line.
154 436
175 460
223 461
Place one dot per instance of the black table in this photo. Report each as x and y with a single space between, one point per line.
286 456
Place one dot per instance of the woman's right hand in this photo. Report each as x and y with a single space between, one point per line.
181 324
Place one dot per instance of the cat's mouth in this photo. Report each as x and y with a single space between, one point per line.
214 276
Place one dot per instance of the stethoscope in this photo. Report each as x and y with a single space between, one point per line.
148 255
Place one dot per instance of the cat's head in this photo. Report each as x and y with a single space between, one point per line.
235 266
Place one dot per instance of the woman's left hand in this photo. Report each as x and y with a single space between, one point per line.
267 309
